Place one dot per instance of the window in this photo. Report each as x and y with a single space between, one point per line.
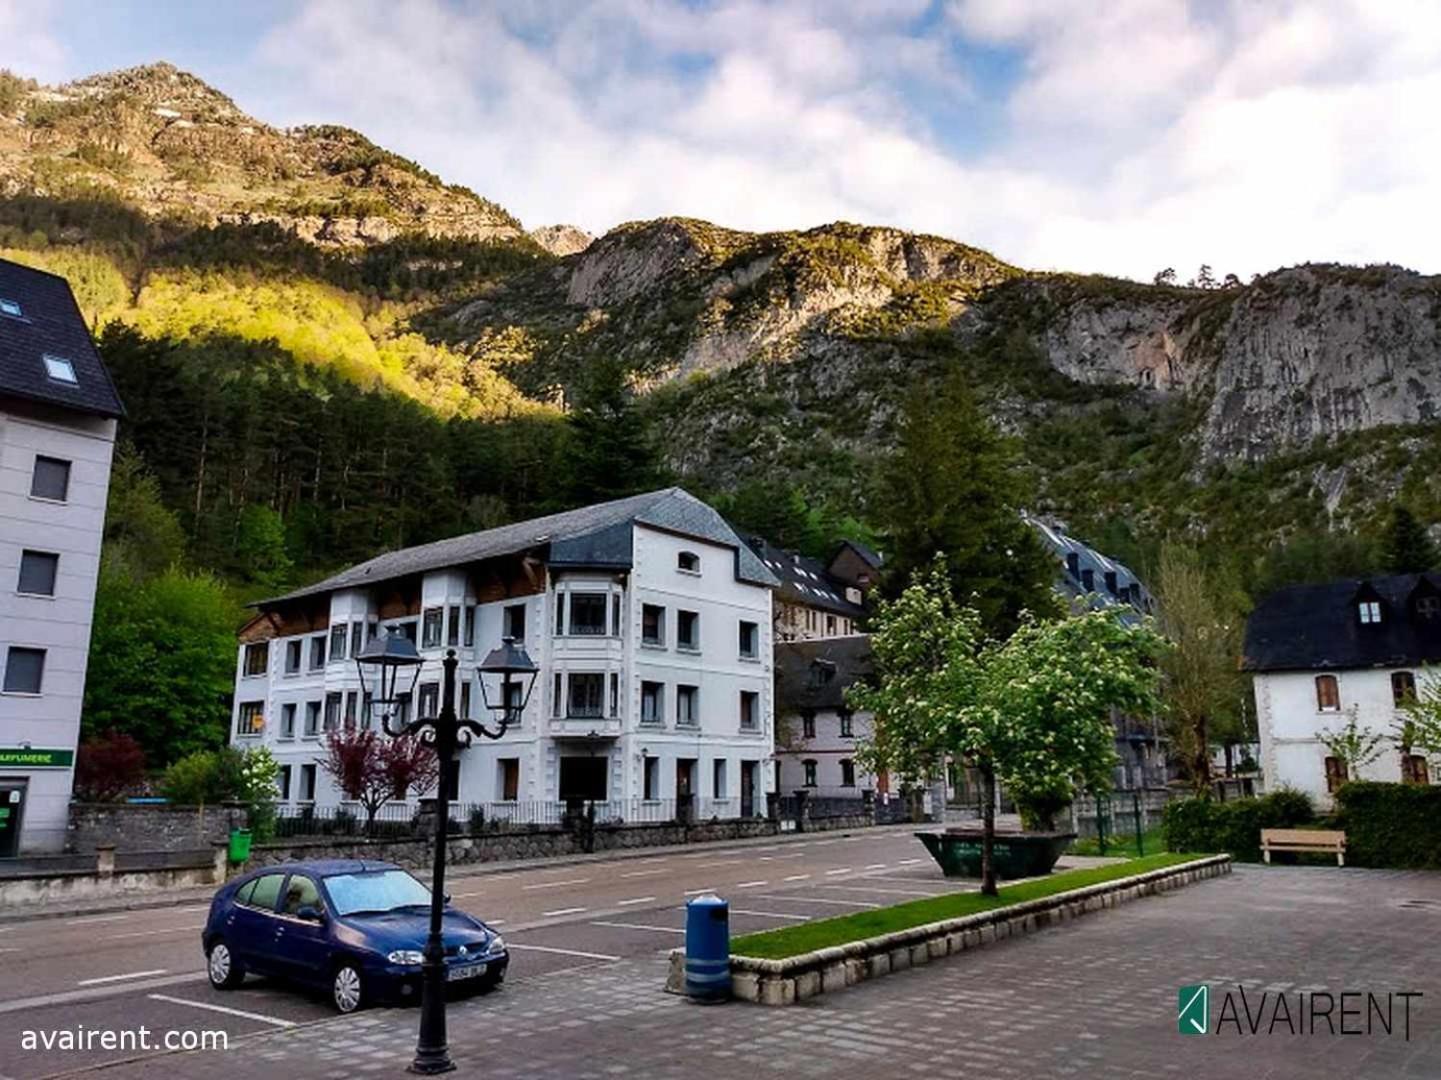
307 783
257 659
750 710
452 627
750 639
282 783
1428 607
1369 612
514 699
312 719
847 726
1335 773
557 695
51 479
718 778
587 614
650 777
687 626
11 308
830 625
1403 687
59 369
614 694
433 618
1088 580
559 614
338 635
687 705
38 570
688 562
251 720
292 657
300 893
585 694
465 700
808 724
509 779
332 711
266 890
652 702
24 670
652 625
848 773
1110 579
468 636
366 713
430 699
404 629
1414 770
317 652
810 769
615 615
1328 693
357 639
287 723
352 699
513 622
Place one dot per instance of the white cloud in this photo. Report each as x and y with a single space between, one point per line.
1131 135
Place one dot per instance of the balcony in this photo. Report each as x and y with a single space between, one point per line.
580 727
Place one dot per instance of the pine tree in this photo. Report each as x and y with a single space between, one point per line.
1409 549
610 450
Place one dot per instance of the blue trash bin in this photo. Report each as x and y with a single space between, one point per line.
708 949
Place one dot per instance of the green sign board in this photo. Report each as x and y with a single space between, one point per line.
12 757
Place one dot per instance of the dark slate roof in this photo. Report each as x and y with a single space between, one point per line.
598 535
1078 561
869 557
804 580
1311 627
50 323
802 668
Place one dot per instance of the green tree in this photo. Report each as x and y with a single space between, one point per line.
162 662
952 488
142 535
1408 547
1353 745
610 450
1312 557
260 547
1032 712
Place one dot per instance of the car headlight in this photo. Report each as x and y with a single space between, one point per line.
497 944
409 957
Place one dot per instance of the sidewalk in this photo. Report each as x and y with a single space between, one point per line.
202 894
1091 998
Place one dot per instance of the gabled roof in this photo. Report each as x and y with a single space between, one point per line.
804 580
865 554
1080 561
49 323
801 667
596 535
1317 627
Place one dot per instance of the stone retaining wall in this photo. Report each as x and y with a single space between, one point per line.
151 826
796 978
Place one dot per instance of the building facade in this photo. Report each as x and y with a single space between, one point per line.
1324 654
818 599
650 621
58 412
817 733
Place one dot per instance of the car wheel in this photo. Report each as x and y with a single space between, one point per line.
347 989
226 972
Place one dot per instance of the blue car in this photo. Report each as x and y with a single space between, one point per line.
352 928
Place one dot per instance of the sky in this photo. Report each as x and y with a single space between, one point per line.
1122 136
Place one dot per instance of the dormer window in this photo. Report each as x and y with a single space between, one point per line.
60 369
1369 612
688 562
1428 607
10 308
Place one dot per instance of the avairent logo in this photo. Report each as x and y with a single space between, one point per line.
1193 1010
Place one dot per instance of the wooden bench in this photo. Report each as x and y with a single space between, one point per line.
1327 841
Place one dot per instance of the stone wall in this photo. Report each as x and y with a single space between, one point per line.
150 826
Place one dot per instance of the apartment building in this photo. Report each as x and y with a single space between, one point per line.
818 599
58 412
650 621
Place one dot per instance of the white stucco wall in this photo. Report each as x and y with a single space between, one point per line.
827 749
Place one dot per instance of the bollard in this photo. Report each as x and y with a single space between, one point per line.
707 949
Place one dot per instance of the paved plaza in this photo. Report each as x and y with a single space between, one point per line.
1092 998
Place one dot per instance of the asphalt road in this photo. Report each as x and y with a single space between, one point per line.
119 971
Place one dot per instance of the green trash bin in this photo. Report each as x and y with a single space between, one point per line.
239 845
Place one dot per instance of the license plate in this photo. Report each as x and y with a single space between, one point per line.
464 971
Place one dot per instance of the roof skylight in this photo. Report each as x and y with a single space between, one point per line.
60 369
11 308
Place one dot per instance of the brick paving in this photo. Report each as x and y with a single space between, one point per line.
1092 998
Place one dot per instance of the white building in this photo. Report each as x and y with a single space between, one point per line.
817 734
58 411
819 599
1322 654
650 621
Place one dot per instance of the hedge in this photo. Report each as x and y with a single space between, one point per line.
1234 826
1397 825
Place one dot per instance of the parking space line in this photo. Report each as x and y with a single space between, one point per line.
227 1010
494 922
910 862
875 866
768 858
697 892
751 884
644 873
820 900
556 884
119 978
890 892
562 952
797 877
641 926
95 919
152 933
634 900
722 862
841 870
561 911
772 915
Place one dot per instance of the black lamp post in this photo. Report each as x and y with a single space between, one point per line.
387 661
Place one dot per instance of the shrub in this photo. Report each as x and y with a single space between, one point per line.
108 766
1396 825
1235 827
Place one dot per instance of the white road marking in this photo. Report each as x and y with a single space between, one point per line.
494 922
95 919
562 952
772 915
464 895
910 862
797 877
723 862
640 926
891 892
841 870
822 843
697 892
751 884
644 873
634 900
561 911
224 1009
875 866
152 933
556 884
118 978
96 993
819 900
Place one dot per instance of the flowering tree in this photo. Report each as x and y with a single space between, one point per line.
1420 730
1033 712
108 766
372 768
1353 745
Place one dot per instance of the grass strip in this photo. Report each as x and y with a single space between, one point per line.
824 933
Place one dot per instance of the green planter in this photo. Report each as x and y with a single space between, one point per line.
239 845
1016 855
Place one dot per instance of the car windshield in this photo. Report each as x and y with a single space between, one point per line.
383 890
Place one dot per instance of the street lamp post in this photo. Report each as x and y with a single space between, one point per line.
388 660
